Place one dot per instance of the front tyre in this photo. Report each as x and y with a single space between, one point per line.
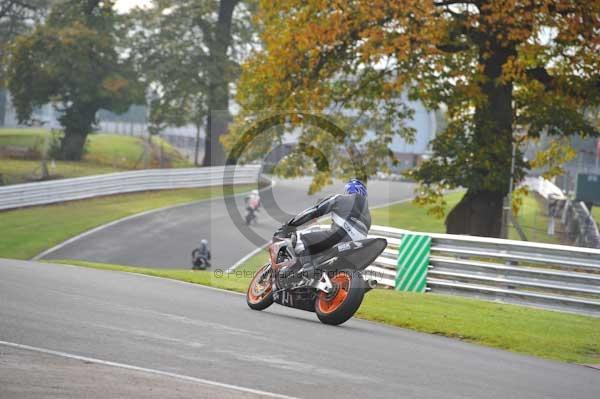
343 301
260 292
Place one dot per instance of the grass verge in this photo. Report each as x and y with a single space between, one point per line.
409 216
542 333
27 232
17 171
25 138
105 153
534 221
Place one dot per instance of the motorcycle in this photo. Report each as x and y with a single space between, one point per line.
251 215
330 284
199 262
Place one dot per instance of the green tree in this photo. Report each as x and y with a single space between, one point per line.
187 52
16 17
73 61
505 70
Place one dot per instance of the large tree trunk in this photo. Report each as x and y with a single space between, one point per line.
218 94
480 210
478 213
77 122
2 107
197 145
71 146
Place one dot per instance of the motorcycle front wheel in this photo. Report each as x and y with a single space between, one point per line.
260 292
344 299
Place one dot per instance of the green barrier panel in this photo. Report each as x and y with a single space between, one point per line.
413 260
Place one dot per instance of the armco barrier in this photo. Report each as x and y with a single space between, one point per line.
534 274
28 194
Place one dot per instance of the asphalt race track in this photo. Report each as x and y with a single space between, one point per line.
100 334
71 332
166 238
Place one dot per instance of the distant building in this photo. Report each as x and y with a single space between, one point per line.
426 124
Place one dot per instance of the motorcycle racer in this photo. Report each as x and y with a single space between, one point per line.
351 220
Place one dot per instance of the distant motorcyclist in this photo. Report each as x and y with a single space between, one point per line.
253 204
201 255
351 220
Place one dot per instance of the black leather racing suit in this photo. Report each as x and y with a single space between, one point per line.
201 252
351 220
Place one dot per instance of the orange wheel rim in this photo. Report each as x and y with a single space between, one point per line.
331 304
259 290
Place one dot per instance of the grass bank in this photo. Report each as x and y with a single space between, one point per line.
534 221
27 232
105 153
408 216
546 334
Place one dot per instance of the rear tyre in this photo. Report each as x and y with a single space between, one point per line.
346 297
260 292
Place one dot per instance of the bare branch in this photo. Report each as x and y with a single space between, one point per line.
452 2
452 48
541 75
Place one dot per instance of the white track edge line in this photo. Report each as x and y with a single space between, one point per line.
145 370
245 258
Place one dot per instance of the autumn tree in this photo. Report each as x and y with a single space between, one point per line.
506 70
188 52
73 61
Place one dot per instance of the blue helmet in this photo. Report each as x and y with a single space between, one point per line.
355 186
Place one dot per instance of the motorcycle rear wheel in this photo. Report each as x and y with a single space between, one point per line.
260 292
340 305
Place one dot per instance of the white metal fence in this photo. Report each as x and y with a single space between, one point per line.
28 194
542 275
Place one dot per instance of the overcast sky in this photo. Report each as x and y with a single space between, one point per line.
125 5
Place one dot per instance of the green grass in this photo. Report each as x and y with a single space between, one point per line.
27 232
128 151
410 216
547 334
105 153
596 214
112 149
16 171
534 221
177 160
25 138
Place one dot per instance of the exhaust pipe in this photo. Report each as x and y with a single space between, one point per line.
370 285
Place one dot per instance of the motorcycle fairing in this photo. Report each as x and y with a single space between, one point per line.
355 255
299 298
